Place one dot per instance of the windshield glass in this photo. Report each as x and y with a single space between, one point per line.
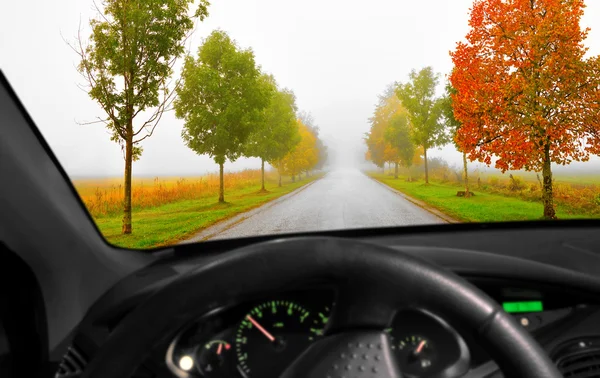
182 120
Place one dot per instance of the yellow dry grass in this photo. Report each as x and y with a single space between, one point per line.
104 197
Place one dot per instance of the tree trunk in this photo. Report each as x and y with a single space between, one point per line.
396 170
126 228
293 178
221 186
547 197
262 171
426 168
466 174
280 179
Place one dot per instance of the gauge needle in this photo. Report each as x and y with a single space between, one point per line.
260 328
420 346
220 348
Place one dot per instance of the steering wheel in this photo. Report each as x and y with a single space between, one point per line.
373 282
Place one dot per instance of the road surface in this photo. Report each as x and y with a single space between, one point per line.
342 199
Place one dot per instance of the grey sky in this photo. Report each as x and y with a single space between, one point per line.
337 56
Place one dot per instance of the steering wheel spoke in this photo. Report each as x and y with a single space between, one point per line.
356 353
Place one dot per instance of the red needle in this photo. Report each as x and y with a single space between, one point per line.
219 348
420 347
260 328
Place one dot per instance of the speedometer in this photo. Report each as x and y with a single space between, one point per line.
271 336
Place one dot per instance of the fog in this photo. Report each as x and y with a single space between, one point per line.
337 56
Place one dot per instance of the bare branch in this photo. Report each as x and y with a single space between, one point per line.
99 120
100 12
88 74
156 116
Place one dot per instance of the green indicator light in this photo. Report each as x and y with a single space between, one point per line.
533 306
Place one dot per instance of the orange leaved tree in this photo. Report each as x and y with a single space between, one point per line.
304 156
525 92
384 147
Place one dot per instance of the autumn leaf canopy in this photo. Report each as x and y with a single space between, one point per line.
525 89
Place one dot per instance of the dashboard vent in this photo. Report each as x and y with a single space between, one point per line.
72 365
579 359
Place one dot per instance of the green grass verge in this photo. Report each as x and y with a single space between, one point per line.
483 207
174 222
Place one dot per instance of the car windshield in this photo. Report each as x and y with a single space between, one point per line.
188 120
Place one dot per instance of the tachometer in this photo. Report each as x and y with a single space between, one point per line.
271 336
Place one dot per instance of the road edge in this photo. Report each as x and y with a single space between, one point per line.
224 225
425 206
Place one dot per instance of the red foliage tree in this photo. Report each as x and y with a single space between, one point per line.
526 93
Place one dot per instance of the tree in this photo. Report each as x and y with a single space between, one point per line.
381 151
454 125
277 132
390 155
304 155
399 135
221 100
376 146
308 120
526 94
418 97
127 65
321 150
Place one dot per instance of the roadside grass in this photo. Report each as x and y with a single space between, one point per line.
483 207
173 222
104 197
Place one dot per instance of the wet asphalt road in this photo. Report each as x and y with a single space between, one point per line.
342 199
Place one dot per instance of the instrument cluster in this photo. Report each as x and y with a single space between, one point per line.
263 338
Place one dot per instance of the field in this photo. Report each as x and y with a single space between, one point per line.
499 197
168 210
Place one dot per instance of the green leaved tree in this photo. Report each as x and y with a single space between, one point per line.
276 132
127 63
418 97
399 135
221 100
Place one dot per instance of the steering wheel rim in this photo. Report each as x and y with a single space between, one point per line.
376 274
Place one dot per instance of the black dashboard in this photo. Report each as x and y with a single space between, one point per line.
261 338
226 343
